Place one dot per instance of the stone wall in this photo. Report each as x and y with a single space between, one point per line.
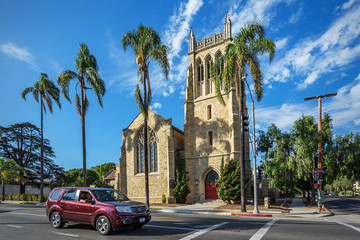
133 183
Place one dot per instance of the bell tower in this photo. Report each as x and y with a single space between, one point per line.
211 130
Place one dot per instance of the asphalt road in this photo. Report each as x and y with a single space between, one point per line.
30 223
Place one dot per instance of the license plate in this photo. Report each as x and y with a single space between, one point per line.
141 220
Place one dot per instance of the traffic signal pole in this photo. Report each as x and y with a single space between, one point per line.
319 98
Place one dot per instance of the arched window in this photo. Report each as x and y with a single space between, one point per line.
200 77
208 83
152 151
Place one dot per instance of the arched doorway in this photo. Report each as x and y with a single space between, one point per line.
210 189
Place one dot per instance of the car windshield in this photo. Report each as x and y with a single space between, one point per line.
110 195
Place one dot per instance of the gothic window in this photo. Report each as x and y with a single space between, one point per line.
208 76
210 138
200 77
152 152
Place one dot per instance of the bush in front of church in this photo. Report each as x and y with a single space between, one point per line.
228 185
181 189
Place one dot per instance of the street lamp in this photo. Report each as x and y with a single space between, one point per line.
256 209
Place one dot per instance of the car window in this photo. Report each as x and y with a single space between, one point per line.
69 195
109 195
55 195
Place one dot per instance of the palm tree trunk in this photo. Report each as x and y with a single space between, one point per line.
83 135
242 146
3 189
42 154
146 167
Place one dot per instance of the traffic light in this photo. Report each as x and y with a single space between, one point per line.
245 122
317 186
259 173
319 174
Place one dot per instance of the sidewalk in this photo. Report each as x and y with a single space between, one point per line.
298 209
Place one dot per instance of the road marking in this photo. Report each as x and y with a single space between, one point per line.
14 226
30 214
262 231
67 234
177 228
345 224
196 234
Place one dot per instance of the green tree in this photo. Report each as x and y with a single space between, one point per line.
146 44
21 143
242 52
290 157
181 189
9 169
87 68
228 184
46 90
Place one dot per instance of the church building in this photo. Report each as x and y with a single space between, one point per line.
211 132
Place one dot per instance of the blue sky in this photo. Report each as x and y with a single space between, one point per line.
318 52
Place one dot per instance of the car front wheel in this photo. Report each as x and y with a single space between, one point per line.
56 220
103 225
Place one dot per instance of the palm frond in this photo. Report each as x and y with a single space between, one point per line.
48 102
26 91
36 94
86 104
96 83
140 101
64 81
78 104
218 84
159 55
257 77
228 72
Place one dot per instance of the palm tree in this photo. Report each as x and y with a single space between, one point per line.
9 169
46 90
242 52
146 44
87 67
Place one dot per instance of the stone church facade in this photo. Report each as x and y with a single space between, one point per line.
211 132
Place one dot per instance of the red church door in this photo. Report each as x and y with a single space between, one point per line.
210 189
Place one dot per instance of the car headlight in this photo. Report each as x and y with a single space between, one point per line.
123 209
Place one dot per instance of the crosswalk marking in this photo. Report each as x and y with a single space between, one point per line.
200 232
262 231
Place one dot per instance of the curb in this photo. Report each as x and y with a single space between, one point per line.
331 212
212 213
251 215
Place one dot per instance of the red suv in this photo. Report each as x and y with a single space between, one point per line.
106 209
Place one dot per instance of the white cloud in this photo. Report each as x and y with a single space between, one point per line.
179 26
282 116
333 49
344 108
348 4
295 17
358 77
156 106
21 54
281 43
241 13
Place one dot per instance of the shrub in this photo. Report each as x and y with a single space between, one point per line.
181 189
163 198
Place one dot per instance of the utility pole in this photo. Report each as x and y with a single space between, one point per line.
256 209
319 98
